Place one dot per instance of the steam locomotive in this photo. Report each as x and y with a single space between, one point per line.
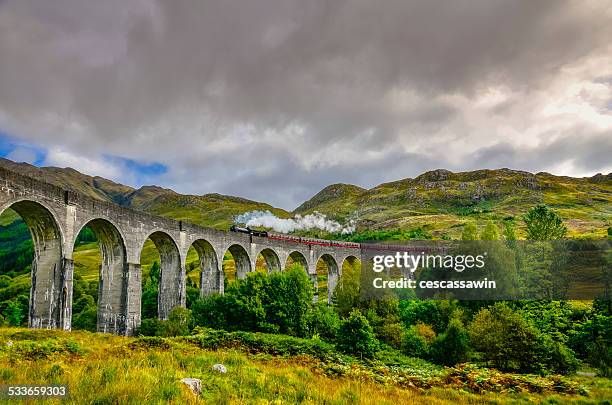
294 239
252 232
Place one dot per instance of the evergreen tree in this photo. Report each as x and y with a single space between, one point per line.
544 224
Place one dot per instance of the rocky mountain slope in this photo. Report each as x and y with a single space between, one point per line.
215 210
442 201
438 201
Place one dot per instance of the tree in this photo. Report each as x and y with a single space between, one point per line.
87 318
287 297
544 224
491 232
503 337
451 347
509 231
417 339
155 273
323 321
273 303
356 336
470 232
149 303
14 313
511 342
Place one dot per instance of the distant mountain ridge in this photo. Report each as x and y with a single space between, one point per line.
215 210
440 201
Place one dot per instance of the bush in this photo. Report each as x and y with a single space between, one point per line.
435 313
414 344
451 347
257 342
503 337
149 327
356 336
15 313
86 319
555 357
277 302
211 311
511 342
179 322
391 334
323 321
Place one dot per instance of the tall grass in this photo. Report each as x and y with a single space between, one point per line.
106 369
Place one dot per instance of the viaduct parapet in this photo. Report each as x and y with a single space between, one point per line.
56 216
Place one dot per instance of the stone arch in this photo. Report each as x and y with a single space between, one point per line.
271 258
50 274
298 257
241 259
112 287
332 274
211 277
350 259
172 273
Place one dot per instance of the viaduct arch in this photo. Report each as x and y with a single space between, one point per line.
55 217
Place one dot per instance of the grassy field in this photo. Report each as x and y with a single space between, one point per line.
106 369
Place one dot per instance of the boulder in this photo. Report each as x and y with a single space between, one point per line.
194 384
220 368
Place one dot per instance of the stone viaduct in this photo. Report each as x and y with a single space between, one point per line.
55 217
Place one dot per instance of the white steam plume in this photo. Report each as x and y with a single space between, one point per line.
315 220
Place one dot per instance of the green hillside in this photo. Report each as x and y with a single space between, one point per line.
438 201
441 202
214 210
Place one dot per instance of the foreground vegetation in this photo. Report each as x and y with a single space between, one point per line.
106 369
279 346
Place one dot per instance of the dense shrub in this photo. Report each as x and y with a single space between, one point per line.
179 323
149 327
592 340
503 337
451 347
86 318
435 313
323 321
508 340
278 302
554 357
347 294
356 336
257 342
414 344
383 315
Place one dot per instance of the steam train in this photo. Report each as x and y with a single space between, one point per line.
247 230
294 239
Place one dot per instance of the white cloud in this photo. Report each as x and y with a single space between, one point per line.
274 100
88 165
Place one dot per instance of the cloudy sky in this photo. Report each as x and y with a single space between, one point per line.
273 100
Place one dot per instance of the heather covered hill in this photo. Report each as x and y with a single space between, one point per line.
439 201
215 210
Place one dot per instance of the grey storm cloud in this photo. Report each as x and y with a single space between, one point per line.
273 100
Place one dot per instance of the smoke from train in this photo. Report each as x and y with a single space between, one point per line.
315 220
